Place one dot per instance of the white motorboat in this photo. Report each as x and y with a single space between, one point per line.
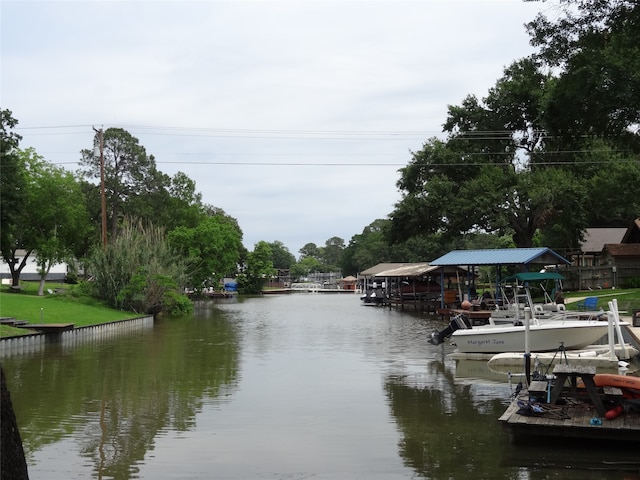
544 336
533 335
531 332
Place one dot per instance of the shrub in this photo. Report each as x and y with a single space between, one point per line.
135 271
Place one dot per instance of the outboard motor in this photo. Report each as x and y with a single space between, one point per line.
457 322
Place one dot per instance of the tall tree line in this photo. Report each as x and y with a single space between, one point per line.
550 150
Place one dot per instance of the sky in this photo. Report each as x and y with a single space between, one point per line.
293 117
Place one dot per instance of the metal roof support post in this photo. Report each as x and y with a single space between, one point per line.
441 287
387 292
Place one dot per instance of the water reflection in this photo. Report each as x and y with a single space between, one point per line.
113 399
290 387
446 433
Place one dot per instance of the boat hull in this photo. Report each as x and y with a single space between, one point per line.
597 356
547 337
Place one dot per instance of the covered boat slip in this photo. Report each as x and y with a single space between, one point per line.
570 403
528 260
419 286
441 285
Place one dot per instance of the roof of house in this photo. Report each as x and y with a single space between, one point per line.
633 233
501 256
623 249
596 238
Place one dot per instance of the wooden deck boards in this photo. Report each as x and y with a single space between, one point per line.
49 327
573 419
472 314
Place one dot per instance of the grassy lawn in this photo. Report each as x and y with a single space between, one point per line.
628 300
63 307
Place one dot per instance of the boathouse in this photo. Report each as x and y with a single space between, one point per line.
518 259
415 285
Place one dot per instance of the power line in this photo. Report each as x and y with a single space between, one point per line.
239 132
349 135
369 164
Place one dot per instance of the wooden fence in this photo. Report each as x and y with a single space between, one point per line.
601 277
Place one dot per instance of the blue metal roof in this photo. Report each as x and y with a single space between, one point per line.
503 256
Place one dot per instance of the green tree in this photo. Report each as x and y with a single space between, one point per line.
492 174
56 214
257 269
282 258
305 266
529 159
594 46
212 248
366 249
309 250
12 189
152 200
184 205
332 252
53 219
129 174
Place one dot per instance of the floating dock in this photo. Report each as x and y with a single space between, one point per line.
546 409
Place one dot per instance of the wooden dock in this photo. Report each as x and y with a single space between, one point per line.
569 412
49 327
478 317
40 327
417 303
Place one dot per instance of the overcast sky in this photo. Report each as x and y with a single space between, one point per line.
292 116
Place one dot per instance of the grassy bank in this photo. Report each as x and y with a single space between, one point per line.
628 300
63 307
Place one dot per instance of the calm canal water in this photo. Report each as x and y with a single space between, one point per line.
291 387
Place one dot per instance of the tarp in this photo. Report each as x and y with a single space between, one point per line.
534 276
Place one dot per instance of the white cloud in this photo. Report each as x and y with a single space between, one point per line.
278 73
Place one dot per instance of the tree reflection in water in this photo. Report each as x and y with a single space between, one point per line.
120 395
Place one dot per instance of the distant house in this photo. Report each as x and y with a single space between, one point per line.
621 255
609 257
58 272
594 241
348 283
626 253
633 233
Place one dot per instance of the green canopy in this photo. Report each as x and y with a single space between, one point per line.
534 276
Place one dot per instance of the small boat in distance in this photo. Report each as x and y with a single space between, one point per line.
373 297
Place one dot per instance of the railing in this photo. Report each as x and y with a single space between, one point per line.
306 287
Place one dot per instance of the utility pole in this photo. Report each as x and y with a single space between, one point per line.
102 189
